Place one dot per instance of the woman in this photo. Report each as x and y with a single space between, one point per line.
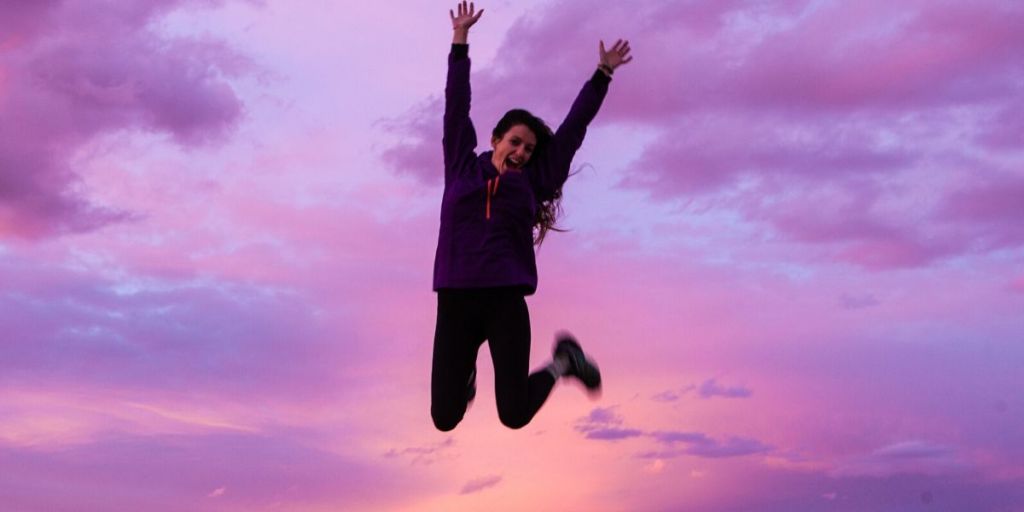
485 264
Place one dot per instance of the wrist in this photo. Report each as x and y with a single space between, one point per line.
606 69
460 35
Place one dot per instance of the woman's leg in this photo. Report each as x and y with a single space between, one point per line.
519 394
457 338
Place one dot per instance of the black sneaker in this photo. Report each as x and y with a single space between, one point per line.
579 366
471 386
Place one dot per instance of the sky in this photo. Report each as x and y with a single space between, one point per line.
794 247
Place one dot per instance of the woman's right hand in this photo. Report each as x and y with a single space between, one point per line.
466 17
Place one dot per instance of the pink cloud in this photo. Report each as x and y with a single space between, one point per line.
881 247
991 210
73 72
1018 284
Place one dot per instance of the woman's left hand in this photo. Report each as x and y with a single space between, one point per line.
617 56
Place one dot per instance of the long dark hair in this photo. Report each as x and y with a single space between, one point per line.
549 208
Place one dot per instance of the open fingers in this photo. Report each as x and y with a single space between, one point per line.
466 14
621 47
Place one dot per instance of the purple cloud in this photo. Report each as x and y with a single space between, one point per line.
479 484
418 152
201 336
912 457
701 445
666 396
711 388
70 72
1005 129
602 416
991 209
425 455
612 434
603 424
854 301
701 153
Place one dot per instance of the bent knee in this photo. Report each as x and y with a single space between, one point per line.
514 422
445 422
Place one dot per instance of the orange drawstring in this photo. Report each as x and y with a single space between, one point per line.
491 191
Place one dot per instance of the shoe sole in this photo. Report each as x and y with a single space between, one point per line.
582 368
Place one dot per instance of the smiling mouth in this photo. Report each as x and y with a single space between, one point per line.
515 164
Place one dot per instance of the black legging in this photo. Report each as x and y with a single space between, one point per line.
465 318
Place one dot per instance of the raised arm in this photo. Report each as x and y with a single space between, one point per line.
459 139
555 162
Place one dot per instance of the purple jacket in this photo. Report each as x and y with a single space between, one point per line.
486 236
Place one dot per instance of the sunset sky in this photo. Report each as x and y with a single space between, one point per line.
795 247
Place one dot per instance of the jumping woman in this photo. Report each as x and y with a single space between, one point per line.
496 207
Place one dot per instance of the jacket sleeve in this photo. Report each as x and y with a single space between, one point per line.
459 139
553 164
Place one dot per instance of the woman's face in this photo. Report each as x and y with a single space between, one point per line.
514 149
